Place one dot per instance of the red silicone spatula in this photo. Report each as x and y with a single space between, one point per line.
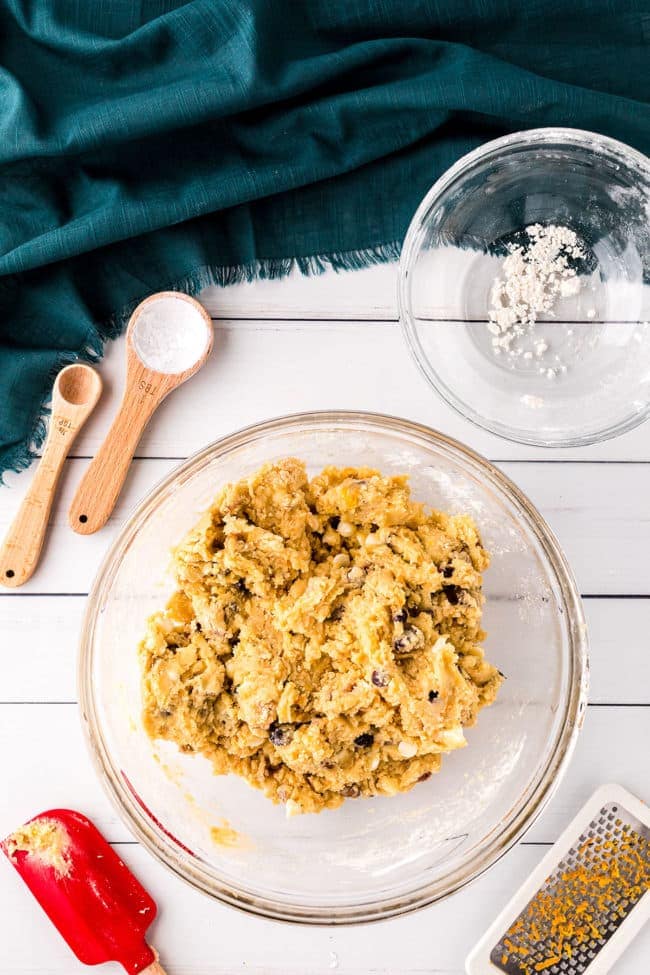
86 891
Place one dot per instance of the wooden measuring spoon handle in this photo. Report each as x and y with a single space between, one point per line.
23 543
100 486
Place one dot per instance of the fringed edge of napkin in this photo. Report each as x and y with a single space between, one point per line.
273 268
19 457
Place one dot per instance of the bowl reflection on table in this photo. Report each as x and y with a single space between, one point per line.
371 858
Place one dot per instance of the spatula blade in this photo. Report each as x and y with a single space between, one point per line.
89 894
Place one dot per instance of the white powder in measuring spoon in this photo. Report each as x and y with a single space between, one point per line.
534 278
169 335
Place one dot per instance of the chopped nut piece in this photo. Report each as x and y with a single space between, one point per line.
356 575
351 791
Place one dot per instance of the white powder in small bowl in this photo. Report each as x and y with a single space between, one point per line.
169 335
535 276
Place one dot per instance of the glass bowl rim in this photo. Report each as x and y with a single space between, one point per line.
153 836
563 137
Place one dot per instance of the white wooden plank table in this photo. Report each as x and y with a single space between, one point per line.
287 346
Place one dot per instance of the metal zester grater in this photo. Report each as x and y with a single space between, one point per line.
593 885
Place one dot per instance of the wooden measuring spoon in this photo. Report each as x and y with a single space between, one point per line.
76 391
168 339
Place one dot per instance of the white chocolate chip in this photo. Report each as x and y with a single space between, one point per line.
407 749
373 540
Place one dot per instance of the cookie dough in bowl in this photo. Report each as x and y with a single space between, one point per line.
379 854
325 639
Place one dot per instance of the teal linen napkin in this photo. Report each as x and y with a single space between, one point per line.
158 144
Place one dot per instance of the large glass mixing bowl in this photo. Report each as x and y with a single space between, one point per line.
371 858
592 379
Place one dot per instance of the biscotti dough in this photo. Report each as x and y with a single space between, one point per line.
46 841
324 641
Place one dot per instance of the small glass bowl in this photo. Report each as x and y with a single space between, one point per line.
371 858
592 381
